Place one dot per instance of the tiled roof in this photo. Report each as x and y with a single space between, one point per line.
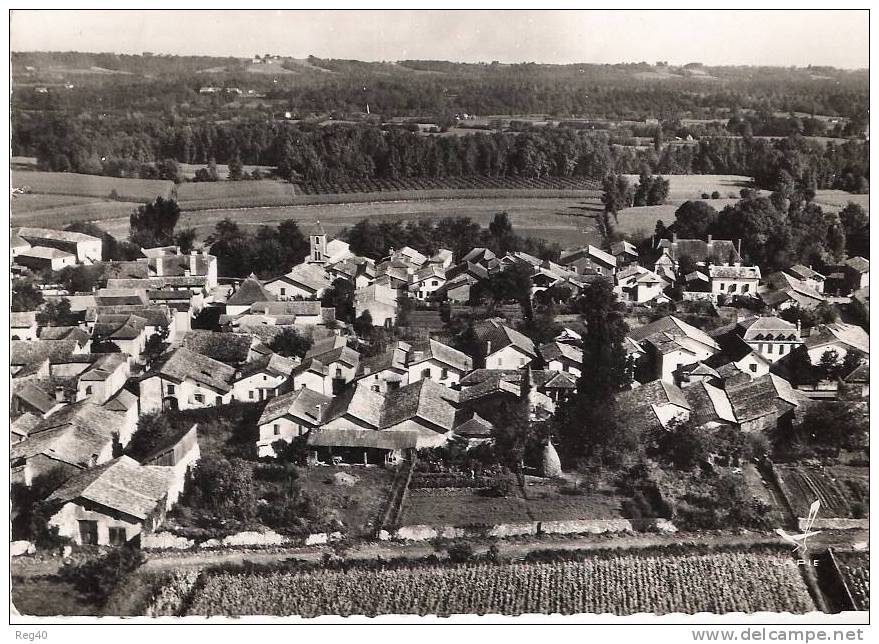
763 396
302 403
848 334
312 276
557 350
72 444
293 307
500 336
232 348
64 333
104 367
249 292
708 404
184 364
122 484
360 402
716 271
34 396
424 399
55 235
804 272
719 251
859 264
44 252
272 363
23 319
443 353
369 438
23 352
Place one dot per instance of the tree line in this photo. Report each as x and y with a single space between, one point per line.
341 153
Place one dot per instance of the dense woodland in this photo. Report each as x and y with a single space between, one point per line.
147 109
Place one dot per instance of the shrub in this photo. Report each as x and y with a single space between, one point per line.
501 487
96 578
715 195
460 552
858 510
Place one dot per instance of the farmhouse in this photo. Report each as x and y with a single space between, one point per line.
810 277
380 301
771 337
668 344
589 260
857 273
234 349
713 251
766 403
41 258
294 313
186 380
733 279
113 503
504 348
248 292
305 281
289 416
426 281
262 378
386 371
23 326
84 248
638 285
783 291
103 378
839 337
560 356
438 362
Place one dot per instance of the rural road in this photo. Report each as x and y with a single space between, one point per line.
515 549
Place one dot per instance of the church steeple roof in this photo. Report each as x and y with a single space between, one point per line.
318 229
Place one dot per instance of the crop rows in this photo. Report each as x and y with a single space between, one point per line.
453 183
855 569
619 584
803 485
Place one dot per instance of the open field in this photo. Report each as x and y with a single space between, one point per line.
49 596
463 507
451 183
56 211
836 200
691 186
569 222
87 185
358 506
234 194
643 218
621 584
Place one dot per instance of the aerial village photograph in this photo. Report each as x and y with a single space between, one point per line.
502 316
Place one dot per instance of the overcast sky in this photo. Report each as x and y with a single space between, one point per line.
838 38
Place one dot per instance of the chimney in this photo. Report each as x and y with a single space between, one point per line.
59 395
739 247
488 348
710 237
799 327
160 267
193 264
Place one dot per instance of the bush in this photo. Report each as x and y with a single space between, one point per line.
858 510
460 552
715 195
501 487
96 578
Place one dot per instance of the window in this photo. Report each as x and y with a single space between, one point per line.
746 288
171 389
276 429
780 349
250 394
88 532
118 537
444 374
434 283
199 398
338 372
218 400
265 377
769 348
283 291
753 368
376 388
425 373
88 390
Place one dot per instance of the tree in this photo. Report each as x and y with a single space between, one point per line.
512 425
152 430
830 364
25 294
225 487
236 169
686 265
467 341
185 239
363 324
153 224
837 424
857 230
589 421
695 219
82 278
340 296
291 344
293 242
57 313
617 194
501 234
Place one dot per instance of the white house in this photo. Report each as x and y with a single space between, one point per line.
670 343
23 325
84 248
503 347
560 356
40 258
289 416
426 281
734 279
439 363
187 380
838 337
305 281
263 378
103 378
770 336
637 285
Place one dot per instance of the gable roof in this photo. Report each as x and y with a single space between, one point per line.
232 348
27 232
34 396
443 353
122 484
312 277
735 271
250 291
184 364
29 352
840 332
271 363
303 403
670 332
22 319
558 350
502 336
64 333
381 439
858 264
359 402
762 396
72 444
425 400
718 251
105 365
